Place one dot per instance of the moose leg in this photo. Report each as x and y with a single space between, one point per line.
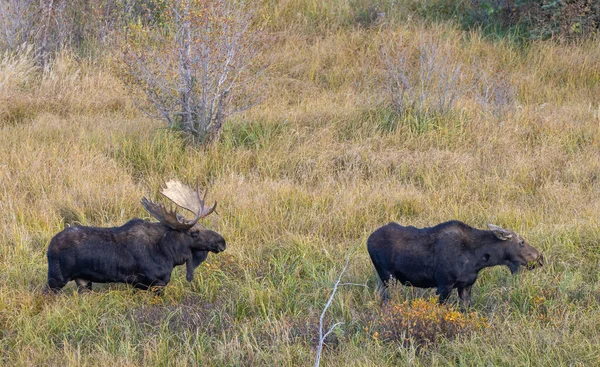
444 291
54 285
158 290
158 287
141 286
154 286
383 279
465 296
83 285
382 290
55 279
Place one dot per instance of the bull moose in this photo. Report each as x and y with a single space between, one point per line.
447 256
140 253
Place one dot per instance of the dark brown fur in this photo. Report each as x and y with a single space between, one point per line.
140 253
447 256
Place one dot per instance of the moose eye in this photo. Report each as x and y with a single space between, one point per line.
522 243
195 234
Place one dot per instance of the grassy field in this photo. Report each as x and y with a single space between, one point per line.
301 180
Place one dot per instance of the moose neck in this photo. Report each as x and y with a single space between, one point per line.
491 252
176 245
192 263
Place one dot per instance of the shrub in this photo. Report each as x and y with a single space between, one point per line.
494 93
426 83
185 67
51 26
563 18
422 322
566 19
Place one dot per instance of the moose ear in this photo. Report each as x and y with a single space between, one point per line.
500 232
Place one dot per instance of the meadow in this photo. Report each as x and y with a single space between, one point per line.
301 179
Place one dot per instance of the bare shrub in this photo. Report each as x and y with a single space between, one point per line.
52 25
18 19
184 67
494 93
425 83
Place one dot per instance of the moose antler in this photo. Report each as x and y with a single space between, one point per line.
168 217
187 198
184 197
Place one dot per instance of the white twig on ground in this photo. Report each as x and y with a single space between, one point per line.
329 301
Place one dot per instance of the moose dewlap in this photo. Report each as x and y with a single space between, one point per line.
139 253
447 256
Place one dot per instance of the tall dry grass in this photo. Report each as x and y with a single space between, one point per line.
301 179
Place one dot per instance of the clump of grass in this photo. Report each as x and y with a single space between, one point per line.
252 134
164 152
308 16
17 74
17 69
185 316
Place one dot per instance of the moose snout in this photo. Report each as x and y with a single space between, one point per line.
538 262
221 246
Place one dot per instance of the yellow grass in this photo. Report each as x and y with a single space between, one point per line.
301 179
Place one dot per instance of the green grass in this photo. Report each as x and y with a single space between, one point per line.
302 179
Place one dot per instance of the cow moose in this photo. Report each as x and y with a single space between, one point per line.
447 256
140 253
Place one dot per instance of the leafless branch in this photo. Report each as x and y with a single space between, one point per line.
329 301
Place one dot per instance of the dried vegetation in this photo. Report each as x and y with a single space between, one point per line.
301 178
